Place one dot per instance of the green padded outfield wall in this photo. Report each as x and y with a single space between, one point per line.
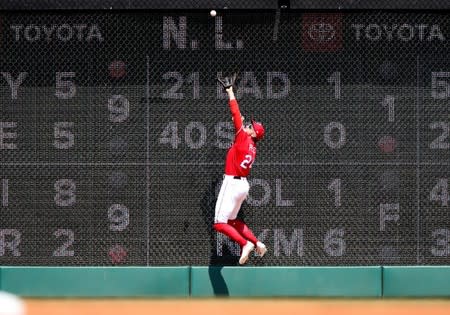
286 281
376 281
96 282
419 281
192 281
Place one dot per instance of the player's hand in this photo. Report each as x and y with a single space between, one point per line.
228 82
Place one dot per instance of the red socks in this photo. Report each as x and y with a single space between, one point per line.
237 230
243 229
231 232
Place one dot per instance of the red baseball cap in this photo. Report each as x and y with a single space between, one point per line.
259 129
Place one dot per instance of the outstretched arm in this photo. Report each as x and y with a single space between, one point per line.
234 108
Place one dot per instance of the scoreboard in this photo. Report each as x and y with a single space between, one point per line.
113 135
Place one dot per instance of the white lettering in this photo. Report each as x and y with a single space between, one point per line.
5 192
54 32
265 198
119 217
442 238
358 28
220 43
388 212
14 84
64 33
440 88
282 243
32 33
94 33
390 31
328 135
7 135
64 137
404 32
249 85
65 89
48 31
440 192
172 32
421 29
80 31
373 32
17 29
65 192
13 244
435 32
280 202
233 247
119 108
334 244
225 134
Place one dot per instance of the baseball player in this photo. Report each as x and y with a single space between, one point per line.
235 186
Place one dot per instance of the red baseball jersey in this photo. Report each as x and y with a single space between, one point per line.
242 153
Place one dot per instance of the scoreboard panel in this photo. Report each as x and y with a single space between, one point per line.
113 134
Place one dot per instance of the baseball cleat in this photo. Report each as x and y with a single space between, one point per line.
246 250
260 249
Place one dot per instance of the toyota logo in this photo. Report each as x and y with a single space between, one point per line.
321 32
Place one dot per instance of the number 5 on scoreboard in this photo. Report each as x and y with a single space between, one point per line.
440 88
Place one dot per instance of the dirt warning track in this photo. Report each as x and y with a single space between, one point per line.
227 306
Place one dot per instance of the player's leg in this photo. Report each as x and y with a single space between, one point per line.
243 229
224 208
231 232
247 233
246 246
241 188
239 225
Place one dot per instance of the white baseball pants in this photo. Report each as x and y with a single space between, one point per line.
232 193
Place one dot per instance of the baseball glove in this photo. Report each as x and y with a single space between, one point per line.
228 82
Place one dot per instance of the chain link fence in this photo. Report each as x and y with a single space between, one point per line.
223 4
113 135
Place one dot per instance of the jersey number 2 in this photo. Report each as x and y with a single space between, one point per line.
247 162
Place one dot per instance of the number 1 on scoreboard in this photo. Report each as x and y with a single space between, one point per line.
335 186
389 102
5 193
336 79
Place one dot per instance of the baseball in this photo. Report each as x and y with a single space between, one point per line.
11 304
213 13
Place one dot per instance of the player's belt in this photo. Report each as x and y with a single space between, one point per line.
234 177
